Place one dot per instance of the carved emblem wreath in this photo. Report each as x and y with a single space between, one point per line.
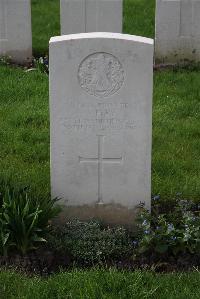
101 74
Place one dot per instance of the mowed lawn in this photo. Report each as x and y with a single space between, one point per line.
24 121
102 285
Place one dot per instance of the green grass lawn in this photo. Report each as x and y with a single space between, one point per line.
45 24
139 17
24 129
99 284
138 20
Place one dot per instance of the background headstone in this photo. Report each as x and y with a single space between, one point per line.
15 30
101 115
78 16
177 31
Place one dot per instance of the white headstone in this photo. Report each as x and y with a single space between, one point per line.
101 114
15 30
78 16
177 31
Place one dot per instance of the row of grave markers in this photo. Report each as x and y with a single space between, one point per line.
177 26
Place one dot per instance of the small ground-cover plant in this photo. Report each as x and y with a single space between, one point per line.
173 233
171 229
90 242
5 60
23 220
42 64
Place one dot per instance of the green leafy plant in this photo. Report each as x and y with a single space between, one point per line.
23 220
5 60
5 242
176 233
41 64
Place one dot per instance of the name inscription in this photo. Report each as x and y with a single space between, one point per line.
98 117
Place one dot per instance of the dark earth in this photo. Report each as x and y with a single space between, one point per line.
44 262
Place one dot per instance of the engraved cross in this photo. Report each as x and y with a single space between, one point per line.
100 160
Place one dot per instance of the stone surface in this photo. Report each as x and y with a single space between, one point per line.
101 114
78 16
15 30
177 31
